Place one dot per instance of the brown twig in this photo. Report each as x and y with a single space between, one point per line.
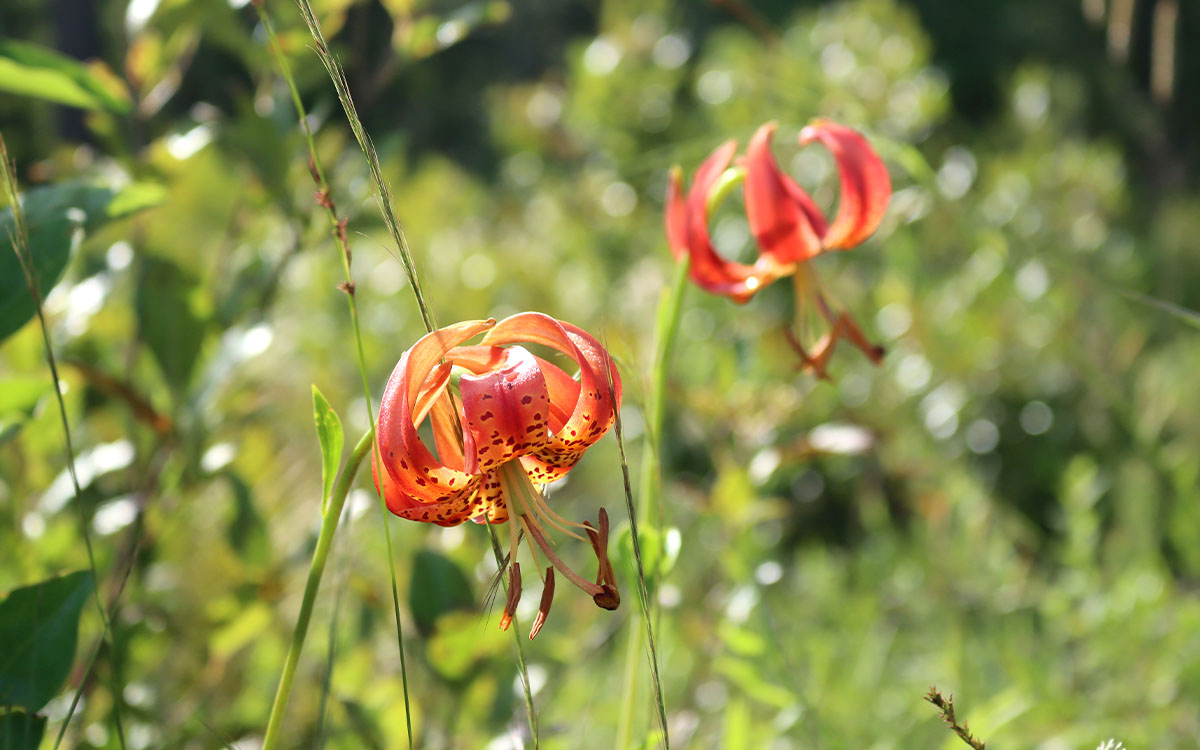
141 407
946 707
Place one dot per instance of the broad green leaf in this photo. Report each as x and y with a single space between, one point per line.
57 217
21 731
32 70
18 397
438 586
329 433
38 627
172 318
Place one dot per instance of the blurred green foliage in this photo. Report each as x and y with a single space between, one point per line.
1007 508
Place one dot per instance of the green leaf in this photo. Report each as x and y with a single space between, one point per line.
329 433
21 731
38 627
438 586
172 318
19 396
57 217
32 70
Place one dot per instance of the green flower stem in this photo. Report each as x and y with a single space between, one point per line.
666 331
649 486
339 231
329 526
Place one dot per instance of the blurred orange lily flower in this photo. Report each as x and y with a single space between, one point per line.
788 227
516 422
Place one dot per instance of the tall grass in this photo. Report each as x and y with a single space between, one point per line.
20 246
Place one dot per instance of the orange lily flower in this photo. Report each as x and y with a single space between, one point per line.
789 228
516 423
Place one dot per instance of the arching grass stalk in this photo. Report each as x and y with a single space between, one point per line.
649 506
516 631
338 227
643 593
329 524
20 246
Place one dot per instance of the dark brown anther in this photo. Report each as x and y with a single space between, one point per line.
312 170
347 287
603 527
594 538
514 595
544 607
609 598
874 352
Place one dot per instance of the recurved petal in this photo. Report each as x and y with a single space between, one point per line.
413 388
482 500
689 218
591 414
780 214
564 392
866 187
506 410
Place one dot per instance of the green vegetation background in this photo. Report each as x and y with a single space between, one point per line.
1007 508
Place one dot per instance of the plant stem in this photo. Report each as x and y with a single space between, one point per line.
643 592
666 330
329 526
20 246
649 486
516 630
325 198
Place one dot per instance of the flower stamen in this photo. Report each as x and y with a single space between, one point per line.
544 606
514 595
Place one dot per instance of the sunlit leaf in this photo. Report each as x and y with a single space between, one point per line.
329 433
38 627
57 217
32 70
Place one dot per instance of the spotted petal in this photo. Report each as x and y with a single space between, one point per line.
591 414
414 475
506 410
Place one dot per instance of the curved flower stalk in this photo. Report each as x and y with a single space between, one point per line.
787 225
516 423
